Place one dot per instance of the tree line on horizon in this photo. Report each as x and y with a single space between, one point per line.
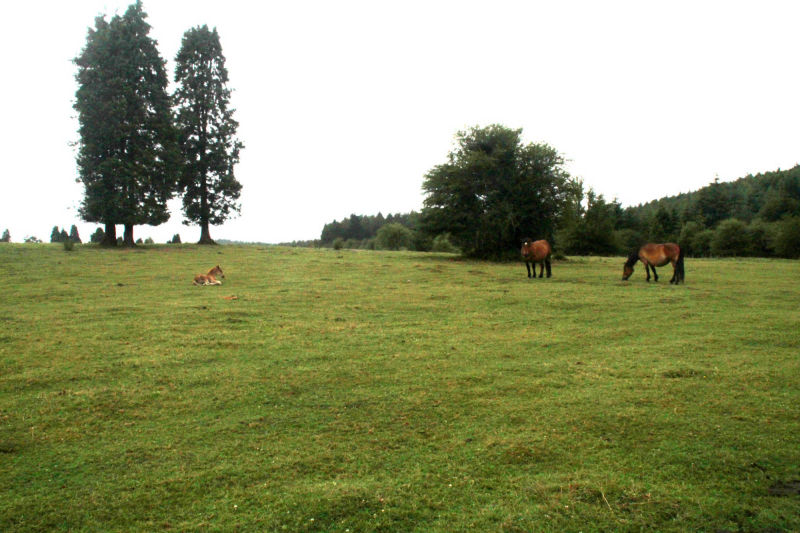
140 146
494 191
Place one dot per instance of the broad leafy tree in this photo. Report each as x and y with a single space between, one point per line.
127 152
207 130
494 190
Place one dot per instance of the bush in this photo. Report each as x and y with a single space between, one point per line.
441 243
338 243
787 238
730 239
149 241
687 238
98 236
68 245
394 237
761 235
700 243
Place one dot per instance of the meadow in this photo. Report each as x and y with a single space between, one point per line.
323 390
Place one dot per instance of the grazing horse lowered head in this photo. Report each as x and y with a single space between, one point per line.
536 252
209 278
656 255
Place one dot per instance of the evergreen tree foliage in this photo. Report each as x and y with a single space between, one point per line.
591 232
55 235
207 132
6 236
363 229
494 191
98 236
127 153
73 234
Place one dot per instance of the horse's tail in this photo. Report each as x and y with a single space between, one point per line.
679 264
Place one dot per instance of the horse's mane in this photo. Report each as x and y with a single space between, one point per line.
632 258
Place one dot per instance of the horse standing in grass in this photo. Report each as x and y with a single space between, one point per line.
210 278
656 255
536 252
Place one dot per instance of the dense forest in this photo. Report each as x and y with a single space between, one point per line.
757 215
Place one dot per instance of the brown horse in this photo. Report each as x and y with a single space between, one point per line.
210 278
656 255
536 252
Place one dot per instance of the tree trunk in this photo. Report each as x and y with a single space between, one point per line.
205 235
110 237
127 237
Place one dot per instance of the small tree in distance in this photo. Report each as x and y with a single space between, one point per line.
73 234
6 236
207 132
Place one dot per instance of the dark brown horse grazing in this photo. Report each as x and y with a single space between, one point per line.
536 252
656 255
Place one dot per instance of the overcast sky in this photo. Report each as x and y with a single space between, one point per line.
344 106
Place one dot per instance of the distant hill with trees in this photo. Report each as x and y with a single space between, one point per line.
757 215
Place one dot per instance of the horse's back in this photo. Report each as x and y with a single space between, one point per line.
659 254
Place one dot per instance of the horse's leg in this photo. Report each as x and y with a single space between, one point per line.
541 269
528 266
654 272
674 274
647 269
547 264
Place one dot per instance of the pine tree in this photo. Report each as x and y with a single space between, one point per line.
73 234
6 236
207 132
127 152
55 235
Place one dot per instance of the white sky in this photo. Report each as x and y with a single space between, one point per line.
344 106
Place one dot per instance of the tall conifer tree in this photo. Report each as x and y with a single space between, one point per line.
207 132
127 152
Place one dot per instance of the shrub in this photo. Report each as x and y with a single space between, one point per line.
68 245
787 238
701 243
394 237
98 236
730 238
338 243
687 238
441 243
761 235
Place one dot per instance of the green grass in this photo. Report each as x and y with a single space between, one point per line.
370 391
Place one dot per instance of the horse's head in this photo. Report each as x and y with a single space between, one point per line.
627 270
217 272
527 248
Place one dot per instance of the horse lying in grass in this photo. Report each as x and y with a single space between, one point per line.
536 252
210 277
656 255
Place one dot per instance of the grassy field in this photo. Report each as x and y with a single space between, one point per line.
368 391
